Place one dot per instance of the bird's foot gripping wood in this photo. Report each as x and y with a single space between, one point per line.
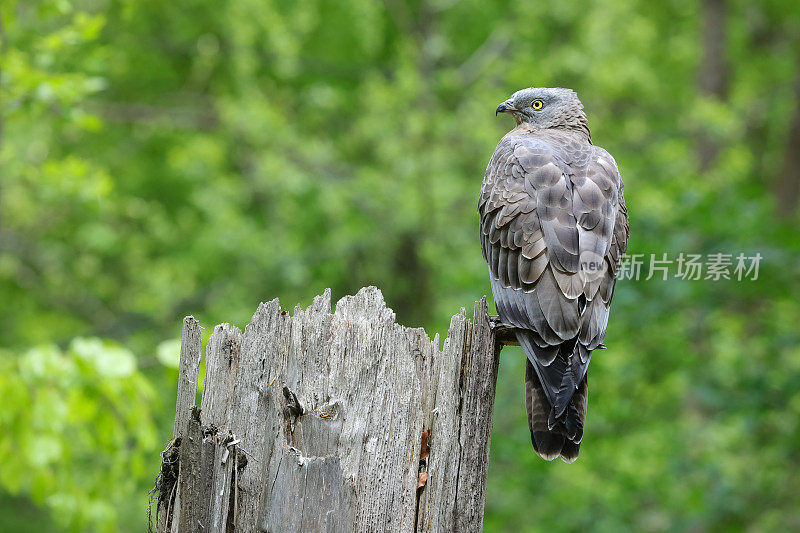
504 334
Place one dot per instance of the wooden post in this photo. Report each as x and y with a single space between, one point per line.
343 421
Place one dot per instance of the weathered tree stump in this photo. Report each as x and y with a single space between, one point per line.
341 421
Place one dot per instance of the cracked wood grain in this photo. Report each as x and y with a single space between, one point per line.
313 421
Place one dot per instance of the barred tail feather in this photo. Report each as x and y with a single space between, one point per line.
562 437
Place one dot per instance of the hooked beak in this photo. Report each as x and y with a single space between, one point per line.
505 107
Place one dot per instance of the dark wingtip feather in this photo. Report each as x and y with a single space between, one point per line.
571 423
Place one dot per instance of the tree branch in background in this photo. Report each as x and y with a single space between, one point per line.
787 186
2 54
191 118
712 79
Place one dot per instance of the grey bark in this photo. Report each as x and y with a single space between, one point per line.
189 367
315 421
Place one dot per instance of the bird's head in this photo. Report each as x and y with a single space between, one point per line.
546 107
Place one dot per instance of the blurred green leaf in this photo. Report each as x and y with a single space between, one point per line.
169 353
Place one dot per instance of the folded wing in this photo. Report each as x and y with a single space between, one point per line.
553 227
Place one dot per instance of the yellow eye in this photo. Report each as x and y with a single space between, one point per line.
537 104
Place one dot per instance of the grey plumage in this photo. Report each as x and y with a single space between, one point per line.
553 226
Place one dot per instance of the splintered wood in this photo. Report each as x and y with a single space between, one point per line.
343 421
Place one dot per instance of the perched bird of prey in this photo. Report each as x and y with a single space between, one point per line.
553 225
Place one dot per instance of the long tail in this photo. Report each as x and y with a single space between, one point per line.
562 438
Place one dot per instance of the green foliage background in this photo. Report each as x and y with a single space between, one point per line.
161 159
